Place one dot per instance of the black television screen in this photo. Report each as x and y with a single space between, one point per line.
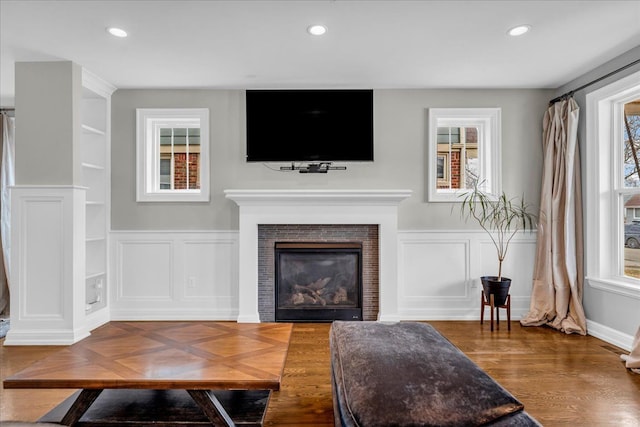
309 125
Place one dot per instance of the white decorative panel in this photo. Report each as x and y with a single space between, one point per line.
521 274
210 269
145 270
434 269
43 258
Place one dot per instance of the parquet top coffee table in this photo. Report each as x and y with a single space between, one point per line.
151 368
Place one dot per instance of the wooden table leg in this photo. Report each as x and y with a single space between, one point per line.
211 407
80 406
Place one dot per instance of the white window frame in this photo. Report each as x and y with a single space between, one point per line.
487 120
148 122
604 233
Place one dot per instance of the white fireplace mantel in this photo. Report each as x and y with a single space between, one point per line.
379 207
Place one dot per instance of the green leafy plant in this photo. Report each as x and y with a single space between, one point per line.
501 218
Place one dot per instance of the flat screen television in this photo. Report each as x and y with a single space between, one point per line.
309 125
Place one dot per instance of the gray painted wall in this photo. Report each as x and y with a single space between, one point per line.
615 311
48 97
400 127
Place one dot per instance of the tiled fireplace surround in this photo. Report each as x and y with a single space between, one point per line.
269 234
329 215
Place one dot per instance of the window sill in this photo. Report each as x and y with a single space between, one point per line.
183 196
615 286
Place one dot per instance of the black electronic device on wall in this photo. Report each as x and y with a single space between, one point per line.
309 126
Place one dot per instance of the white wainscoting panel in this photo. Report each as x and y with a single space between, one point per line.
439 273
513 267
174 275
204 278
418 257
171 275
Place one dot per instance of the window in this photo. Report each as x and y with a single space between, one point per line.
457 157
629 191
172 155
464 149
613 187
443 169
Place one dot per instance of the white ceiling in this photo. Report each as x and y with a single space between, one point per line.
370 44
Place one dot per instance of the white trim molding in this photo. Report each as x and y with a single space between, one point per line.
615 287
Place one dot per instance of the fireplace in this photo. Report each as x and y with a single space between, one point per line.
316 207
318 281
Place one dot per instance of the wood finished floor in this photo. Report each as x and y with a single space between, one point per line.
561 379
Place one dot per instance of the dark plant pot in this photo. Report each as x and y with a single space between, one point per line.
499 289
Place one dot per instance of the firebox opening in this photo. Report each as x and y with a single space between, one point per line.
316 282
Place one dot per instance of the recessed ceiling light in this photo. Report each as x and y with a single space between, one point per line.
317 30
519 30
118 32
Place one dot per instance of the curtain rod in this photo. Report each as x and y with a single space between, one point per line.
592 82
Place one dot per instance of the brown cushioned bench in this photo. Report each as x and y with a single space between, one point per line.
408 374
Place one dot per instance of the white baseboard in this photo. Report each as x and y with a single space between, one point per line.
180 314
97 319
46 337
248 319
612 336
459 314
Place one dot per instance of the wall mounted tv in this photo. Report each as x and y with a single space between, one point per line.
309 125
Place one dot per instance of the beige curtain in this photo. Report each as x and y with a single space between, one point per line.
632 360
556 299
6 154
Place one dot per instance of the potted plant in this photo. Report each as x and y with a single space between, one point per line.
501 218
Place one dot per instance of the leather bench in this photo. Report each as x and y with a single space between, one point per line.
408 374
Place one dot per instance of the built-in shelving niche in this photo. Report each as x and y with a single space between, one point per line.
95 178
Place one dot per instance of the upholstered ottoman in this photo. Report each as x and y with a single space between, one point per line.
407 374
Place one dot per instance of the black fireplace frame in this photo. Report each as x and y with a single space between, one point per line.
318 314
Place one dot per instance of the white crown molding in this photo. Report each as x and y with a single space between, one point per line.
97 84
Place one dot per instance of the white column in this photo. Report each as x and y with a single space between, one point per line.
248 272
47 271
